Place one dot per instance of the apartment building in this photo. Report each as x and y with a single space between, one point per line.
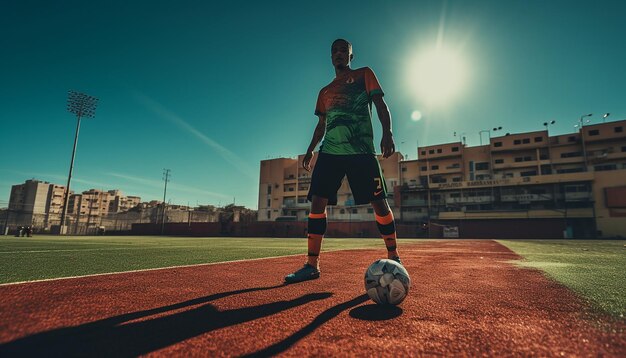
35 203
93 203
39 204
571 185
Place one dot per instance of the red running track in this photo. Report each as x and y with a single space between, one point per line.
466 299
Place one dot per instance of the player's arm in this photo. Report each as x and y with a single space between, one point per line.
386 144
318 134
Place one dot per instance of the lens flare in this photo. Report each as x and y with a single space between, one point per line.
437 76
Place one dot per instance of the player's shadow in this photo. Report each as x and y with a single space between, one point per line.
322 318
376 312
124 336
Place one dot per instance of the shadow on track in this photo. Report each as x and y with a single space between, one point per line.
322 318
376 312
120 336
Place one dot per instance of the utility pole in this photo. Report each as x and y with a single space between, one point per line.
580 125
81 105
166 178
547 125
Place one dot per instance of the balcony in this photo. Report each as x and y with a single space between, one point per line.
578 196
414 202
470 200
526 197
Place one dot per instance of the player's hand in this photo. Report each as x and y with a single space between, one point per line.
306 162
387 146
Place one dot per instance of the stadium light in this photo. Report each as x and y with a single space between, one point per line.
82 105
604 117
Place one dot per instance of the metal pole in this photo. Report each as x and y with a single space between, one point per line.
166 173
69 179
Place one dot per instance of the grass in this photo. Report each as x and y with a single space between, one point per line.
42 257
595 269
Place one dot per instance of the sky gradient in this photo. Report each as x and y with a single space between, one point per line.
208 90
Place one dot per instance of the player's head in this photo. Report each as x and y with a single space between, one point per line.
341 53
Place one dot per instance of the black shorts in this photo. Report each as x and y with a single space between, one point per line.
364 176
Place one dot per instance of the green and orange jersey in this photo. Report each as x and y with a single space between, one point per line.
347 104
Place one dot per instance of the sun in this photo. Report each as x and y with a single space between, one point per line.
437 76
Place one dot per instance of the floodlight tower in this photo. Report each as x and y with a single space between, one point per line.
81 105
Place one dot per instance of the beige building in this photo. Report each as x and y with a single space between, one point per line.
561 186
35 203
39 204
93 204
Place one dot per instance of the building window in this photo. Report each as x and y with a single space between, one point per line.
497 144
456 179
342 211
543 156
624 149
594 132
423 169
528 159
456 149
526 140
404 169
618 129
569 170
482 166
571 154
538 139
439 150
269 214
370 210
519 159
432 151
423 152
528 173
269 202
455 195
355 211
571 138
434 167
499 161
517 142
601 168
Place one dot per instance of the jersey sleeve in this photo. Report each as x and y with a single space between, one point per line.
371 83
320 109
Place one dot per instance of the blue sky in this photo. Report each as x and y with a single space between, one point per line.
208 90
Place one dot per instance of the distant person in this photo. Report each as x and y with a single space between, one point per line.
29 231
345 122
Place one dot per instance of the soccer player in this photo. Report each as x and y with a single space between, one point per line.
345 122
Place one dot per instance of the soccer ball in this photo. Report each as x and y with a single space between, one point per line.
387 282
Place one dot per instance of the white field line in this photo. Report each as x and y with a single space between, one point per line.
143 270
158 247
164 268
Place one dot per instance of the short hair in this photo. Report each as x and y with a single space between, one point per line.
342 40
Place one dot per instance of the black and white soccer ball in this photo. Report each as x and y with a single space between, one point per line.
387 282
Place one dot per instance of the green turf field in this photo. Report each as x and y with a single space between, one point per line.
41 257
595 269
